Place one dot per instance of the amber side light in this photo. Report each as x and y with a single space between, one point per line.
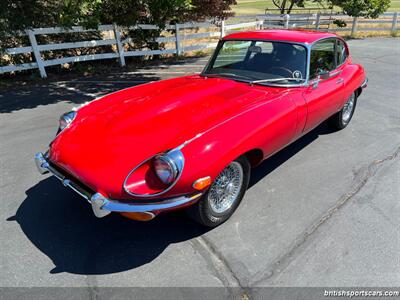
138 216
202 183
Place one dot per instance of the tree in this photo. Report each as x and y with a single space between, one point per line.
286 6
203 9
19 15
158 12
355 8
362 8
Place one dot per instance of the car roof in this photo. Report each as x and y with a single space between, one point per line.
286 35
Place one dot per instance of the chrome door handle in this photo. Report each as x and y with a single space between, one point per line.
340 80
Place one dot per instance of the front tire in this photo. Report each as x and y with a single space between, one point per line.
342 118
224 194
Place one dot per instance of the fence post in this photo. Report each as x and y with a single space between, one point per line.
318 18
286 19
222 28
261 24
354 27
36 53
120 48
177 40
394 23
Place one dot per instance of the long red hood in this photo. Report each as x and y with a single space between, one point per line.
112 135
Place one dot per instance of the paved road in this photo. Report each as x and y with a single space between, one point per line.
323 212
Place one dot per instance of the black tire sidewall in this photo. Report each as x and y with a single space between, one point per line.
336 121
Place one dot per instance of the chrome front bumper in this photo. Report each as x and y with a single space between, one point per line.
102 205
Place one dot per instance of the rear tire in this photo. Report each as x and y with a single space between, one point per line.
342 118
224 195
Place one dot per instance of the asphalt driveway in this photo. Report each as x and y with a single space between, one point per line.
322 212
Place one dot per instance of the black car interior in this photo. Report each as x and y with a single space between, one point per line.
285 59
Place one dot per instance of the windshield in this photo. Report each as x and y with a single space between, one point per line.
262 62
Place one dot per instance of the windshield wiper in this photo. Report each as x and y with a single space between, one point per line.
225 74
277 79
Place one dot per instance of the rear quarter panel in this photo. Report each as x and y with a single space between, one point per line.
353 75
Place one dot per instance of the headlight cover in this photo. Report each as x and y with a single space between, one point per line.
156 175
66 119
165 168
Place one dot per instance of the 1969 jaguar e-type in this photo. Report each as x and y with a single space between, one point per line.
190 142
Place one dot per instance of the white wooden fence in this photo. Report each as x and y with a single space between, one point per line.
324 22
179 38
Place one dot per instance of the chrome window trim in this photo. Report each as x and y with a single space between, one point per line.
308 47
316 42
347 51
336 38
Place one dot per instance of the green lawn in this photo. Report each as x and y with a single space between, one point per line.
249 7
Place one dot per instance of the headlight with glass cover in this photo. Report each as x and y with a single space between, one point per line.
156 175
66 119
167 166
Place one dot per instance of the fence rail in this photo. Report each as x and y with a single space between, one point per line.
179 38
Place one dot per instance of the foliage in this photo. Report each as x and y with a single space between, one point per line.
202 9
22 14
362 8
18 15
286 6
340 23
355 8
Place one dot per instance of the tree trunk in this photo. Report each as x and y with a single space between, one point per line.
291 6
283 6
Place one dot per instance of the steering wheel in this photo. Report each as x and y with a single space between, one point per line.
281 68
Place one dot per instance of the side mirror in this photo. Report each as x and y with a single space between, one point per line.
322 75
315 82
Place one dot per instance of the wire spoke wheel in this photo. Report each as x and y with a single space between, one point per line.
224 195
348 109
226 188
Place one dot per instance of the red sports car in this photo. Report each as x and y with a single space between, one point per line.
190 142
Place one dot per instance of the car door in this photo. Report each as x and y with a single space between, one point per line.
324 96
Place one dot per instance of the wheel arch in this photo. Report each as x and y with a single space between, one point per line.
254 156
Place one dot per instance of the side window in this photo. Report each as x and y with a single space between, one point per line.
322 57
341 52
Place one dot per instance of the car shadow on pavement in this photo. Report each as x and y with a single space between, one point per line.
62 225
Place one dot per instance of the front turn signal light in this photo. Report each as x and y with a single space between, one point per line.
139 216
202 183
